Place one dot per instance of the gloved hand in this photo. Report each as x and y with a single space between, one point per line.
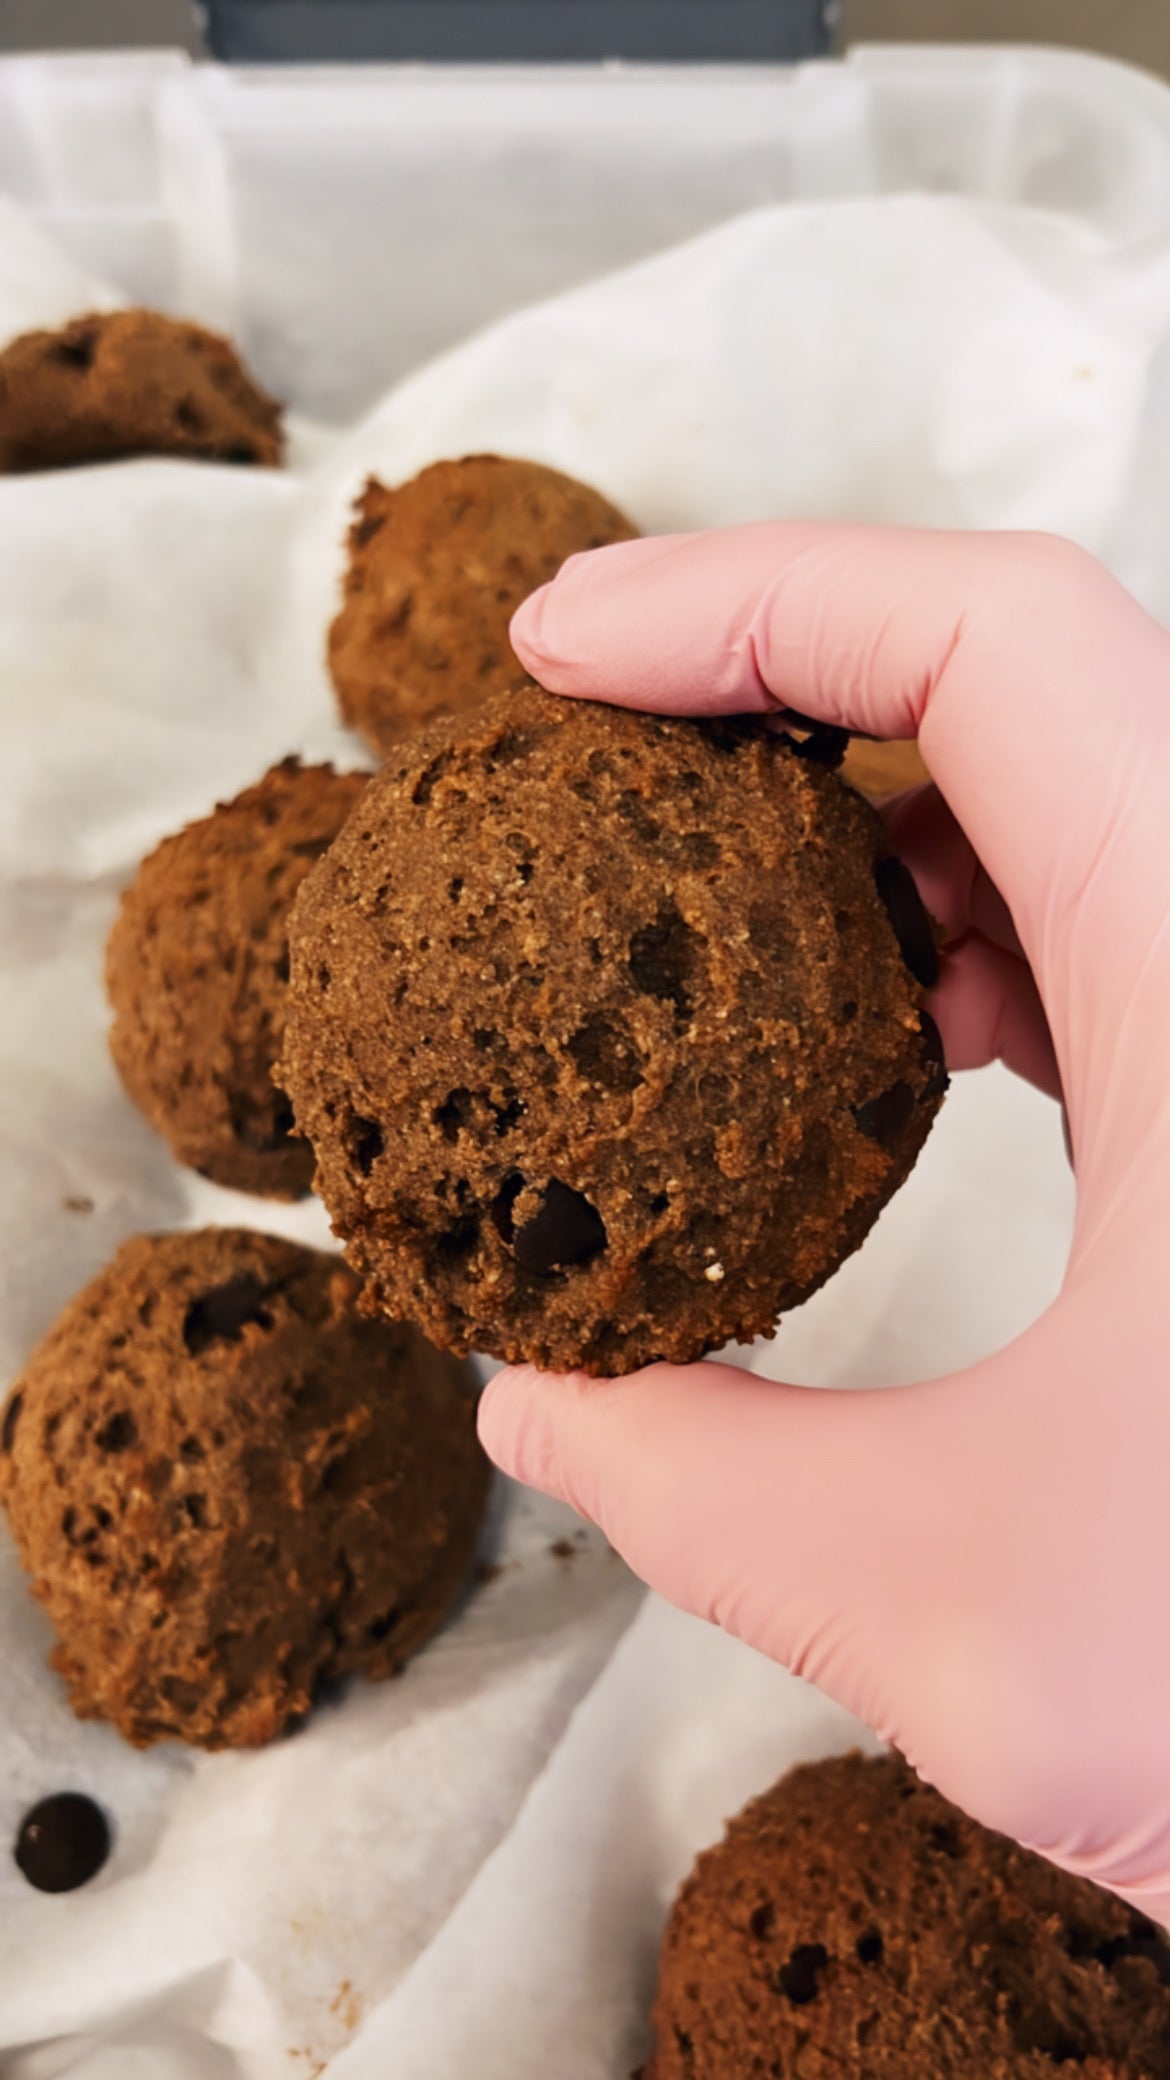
978 1567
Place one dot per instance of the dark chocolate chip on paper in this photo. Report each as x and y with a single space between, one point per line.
63 1842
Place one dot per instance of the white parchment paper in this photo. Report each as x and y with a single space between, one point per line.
466 1870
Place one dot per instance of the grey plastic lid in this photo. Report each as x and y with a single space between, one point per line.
264 31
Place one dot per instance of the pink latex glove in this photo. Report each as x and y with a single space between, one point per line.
978 1567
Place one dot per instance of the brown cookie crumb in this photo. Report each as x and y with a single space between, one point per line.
854 1926
228 1486
119 383
197 968
601 1030
436 570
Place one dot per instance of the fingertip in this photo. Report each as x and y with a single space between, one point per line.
570 633
525 633
517 1425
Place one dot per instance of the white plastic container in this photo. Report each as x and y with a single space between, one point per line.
420 203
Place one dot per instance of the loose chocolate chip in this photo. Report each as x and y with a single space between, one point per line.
798 1979
567 1230
933 1059
884 1119
63 1842
907 914
222 1315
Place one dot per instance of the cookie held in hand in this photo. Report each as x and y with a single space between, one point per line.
603 1031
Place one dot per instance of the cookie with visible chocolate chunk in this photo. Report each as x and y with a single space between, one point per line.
133 382
603 1030
228 1485
436 570
852 1925
196 971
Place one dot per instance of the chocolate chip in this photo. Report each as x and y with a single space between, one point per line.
63 1842
567 1230
907 914
884 1119
77 346
222 1315
118 1434
11 1419
503 1204
798 1980
934 1065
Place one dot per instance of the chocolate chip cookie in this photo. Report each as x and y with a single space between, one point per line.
119 383
436 570
854 1926
607 1031
197 968
227 1485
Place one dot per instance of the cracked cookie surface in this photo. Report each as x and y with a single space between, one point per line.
602 1029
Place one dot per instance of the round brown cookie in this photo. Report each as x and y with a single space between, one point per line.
117 383
601 1034
197 968
854 1926
228 1485
436 570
